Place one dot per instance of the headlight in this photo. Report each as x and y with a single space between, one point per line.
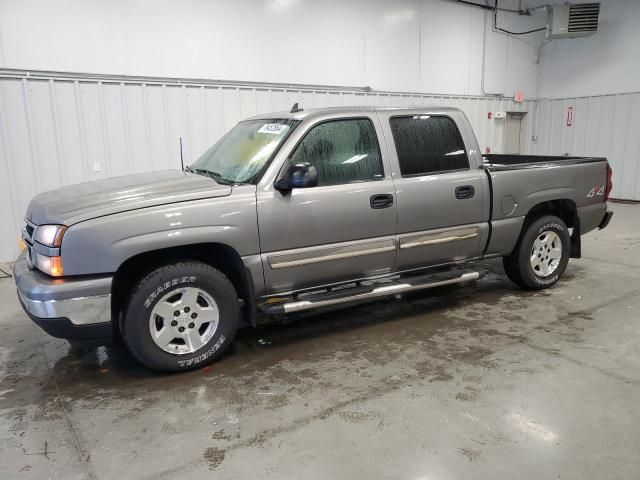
49 235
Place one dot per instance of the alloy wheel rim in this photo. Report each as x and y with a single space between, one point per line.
184 320
546 253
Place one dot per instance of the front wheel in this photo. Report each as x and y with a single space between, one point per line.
181 317
541 255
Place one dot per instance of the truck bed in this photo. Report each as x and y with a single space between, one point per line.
521 183
496 161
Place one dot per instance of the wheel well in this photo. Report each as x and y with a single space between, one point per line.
564 209
219 256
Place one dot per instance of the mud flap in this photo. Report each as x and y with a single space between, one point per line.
249 306
576 239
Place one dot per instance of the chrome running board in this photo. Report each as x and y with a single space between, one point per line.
359 293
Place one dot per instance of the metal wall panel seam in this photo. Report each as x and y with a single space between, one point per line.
105 131
125 121
186 146
16 221
56 128
165 111
30 134
222 113
631 127
614 118
147 127
586 132
81 130
636 194
205 114
624 143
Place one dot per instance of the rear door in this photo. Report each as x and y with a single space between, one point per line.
344 228
440 192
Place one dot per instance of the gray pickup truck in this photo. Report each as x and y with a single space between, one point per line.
294 211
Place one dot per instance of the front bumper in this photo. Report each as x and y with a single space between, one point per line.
76 308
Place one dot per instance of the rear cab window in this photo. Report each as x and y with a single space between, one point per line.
428 144
342 150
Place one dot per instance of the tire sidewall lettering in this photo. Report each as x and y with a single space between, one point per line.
203 356
548 226
166 286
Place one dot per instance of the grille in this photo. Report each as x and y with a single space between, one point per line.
27 233
584 17
27 236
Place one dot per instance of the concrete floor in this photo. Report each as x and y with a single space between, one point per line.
483 381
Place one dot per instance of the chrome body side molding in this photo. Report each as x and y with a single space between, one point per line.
311 256
425 239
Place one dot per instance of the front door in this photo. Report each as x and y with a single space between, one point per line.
344 228
439 195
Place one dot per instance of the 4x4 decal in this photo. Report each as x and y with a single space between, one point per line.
596 191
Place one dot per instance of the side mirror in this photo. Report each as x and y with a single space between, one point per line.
298 175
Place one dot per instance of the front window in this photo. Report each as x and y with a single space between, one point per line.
343 151
243 152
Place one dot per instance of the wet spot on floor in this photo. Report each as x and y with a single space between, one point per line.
221 435
214 457
470 394
359 417
257 441
470 453
170 428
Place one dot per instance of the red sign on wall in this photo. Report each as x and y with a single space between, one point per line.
569 116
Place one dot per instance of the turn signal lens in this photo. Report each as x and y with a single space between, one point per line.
56 267
49 265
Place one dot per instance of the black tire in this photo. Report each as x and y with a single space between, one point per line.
518 265
173 278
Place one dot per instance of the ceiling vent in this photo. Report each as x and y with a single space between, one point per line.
571 21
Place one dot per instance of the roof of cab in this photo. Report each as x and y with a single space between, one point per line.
315 112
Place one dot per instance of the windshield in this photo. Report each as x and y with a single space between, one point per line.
244 150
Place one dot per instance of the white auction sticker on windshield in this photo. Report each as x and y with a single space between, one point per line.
273 128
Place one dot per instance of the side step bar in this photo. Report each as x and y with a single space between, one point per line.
356 294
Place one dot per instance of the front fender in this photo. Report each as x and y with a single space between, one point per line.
101 245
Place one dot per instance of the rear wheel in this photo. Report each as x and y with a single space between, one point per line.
541 255
181 316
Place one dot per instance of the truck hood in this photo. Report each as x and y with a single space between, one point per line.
76 203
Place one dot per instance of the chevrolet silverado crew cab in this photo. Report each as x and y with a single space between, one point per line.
295 211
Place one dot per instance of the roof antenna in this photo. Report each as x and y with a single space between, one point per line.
295 108
181 157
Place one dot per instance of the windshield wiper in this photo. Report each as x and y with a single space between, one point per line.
215 175
208 173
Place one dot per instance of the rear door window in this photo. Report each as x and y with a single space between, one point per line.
428 144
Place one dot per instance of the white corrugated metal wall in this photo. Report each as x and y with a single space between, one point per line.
605 125
54 128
